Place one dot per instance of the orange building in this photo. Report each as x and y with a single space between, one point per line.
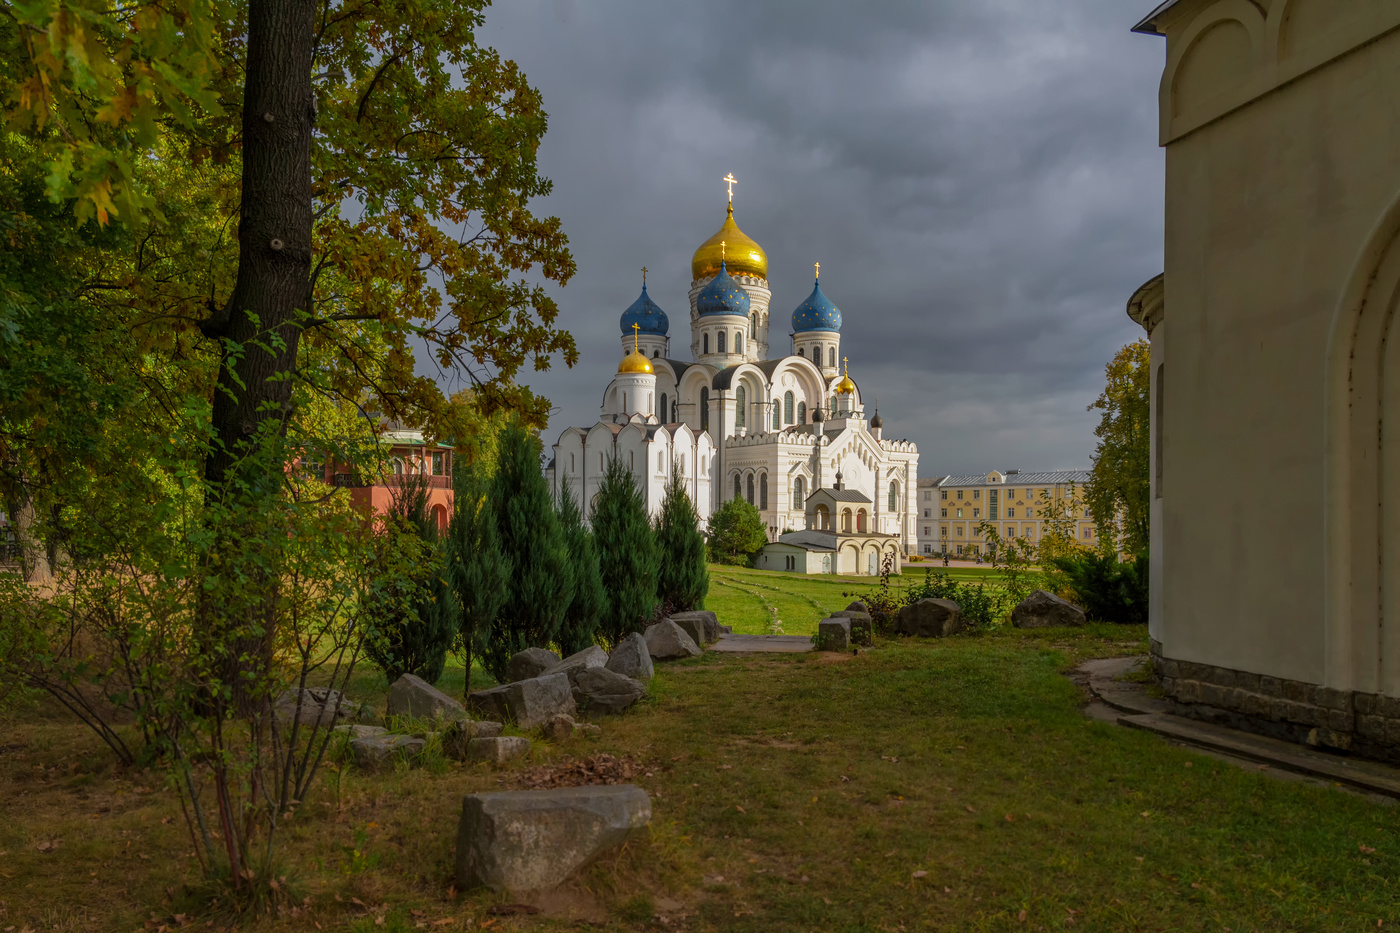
407 456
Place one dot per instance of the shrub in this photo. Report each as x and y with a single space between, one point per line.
479 571
627 555
982 606
581 617
1107 589
682 580
737 533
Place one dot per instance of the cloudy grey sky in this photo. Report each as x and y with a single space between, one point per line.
979 179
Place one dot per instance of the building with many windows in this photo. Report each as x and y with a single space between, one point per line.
952 508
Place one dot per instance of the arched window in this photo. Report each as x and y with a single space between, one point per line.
631 459
817 354
831 357
738 490
750 489
846 520
600 462
894 496
705 409
753 326
787 408
624 403
664 409
719 341
801 412
660 462
682 464
649 408
860 521
802 352
738 341
573 468
777 422
799 492
655 354
675 410
706 339
822 519
740 403
763 490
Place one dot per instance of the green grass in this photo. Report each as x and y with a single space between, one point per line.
941 785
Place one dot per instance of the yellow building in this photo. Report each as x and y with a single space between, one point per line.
1013 502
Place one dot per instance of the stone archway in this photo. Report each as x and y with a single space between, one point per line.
1362 544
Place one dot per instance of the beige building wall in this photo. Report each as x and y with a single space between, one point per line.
1012 501
1274 535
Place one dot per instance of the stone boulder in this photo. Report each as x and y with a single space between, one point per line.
1042 609
317 706
497 748
834 634
458 736
709 624
592 656
377 751
862 626
532 840
414 697
930 618
527 703
692 625
532 662
667 641
858 606
632 659
358 731
600 690
725 630
559 728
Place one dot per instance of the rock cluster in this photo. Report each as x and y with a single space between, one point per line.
414 697
1042 609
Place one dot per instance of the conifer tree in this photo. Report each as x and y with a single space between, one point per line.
412 609
681 579
542 580
478 570
627 555
581 618
737 533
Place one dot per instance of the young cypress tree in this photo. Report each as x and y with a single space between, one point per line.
478 569
413 611
542 581
627 556
581 618
681 580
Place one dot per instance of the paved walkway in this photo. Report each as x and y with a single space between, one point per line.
763 644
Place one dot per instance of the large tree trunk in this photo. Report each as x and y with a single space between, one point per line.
253 399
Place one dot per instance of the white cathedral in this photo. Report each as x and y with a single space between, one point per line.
736 422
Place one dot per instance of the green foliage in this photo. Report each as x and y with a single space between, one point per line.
542 580
627 553
590 599
478 570
737 533
682 579
1107 589
412 611
1015 560
982 606
1120 484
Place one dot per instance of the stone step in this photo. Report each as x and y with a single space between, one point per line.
1372 777
763 644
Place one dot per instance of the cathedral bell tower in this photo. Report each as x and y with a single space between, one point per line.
744 265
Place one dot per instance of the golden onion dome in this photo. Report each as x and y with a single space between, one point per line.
846 386
732 245
635 362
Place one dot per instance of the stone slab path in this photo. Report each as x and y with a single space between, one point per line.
762 644
1130 705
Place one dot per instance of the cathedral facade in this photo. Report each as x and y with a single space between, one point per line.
752 414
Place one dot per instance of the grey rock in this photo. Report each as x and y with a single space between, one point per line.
559 728
589 729
632 659
414 697
667 641
498 749
858 606
709 624
458 736
532 840
1042 609
359 731
592 656
316 706
862 626
603 691
375 751
527 703
532 662
726 630
834 634
933 618
692 625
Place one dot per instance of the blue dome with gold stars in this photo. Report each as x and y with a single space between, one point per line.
723 295
816 313
647 315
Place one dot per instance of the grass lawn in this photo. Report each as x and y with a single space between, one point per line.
923 785
742 597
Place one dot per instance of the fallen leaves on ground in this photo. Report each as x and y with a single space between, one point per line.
573 772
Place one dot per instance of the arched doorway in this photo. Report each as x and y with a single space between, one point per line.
860 522
821 518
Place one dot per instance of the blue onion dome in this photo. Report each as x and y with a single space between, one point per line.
816 313
723 295
647 315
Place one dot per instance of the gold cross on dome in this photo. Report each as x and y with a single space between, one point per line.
819 269
636 329
731 181
644 275
721 250
844 359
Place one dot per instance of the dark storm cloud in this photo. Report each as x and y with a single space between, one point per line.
979 179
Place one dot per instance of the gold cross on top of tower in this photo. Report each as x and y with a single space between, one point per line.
819 269
731 181
845 359
636 329
644 275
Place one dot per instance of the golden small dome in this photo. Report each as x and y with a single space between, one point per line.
846 386
731 245
635 362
